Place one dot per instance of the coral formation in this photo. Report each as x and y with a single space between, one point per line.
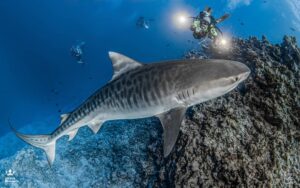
249 137
118 156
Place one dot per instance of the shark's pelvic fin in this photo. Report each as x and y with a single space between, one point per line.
122 64
63 118
171 122
95 127
72 134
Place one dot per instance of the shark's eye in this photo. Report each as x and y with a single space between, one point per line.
236 79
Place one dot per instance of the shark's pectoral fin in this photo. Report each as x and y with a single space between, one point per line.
95 126
72 134
171 122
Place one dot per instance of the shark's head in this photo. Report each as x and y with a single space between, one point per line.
207 79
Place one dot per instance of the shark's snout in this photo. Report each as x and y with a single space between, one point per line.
242 69
245 72
245 75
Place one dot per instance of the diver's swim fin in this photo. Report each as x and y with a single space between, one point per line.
208 9
221 19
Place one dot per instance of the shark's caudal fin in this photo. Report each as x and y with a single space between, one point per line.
40 141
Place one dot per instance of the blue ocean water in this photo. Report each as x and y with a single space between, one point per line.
40 80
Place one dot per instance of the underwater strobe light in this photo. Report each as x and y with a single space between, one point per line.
180 19
223 42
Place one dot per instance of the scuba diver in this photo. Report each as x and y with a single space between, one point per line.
143 23
77 52
204 25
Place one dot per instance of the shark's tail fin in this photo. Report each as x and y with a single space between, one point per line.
40 141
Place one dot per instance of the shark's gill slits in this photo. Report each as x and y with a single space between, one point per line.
178 96
183 96
153 98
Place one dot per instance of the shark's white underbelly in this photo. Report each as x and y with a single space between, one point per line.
142 111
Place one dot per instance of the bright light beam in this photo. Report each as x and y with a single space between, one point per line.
224 43
180 19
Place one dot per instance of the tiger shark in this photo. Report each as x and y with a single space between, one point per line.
137 90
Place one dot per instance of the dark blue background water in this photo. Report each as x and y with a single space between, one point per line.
40 80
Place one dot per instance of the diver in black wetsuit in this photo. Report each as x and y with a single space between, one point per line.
77 52
204 25
143 23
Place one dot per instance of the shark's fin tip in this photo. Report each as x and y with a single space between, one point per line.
72 134
63 117
171 122
50 152
95 127
121 63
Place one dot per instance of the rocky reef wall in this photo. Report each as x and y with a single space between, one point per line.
249 137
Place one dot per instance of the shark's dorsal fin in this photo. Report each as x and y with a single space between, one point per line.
63 118
122 64
171 122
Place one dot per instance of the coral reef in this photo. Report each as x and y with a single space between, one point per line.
249 137
118 156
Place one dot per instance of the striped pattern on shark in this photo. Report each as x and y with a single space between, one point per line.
137 90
